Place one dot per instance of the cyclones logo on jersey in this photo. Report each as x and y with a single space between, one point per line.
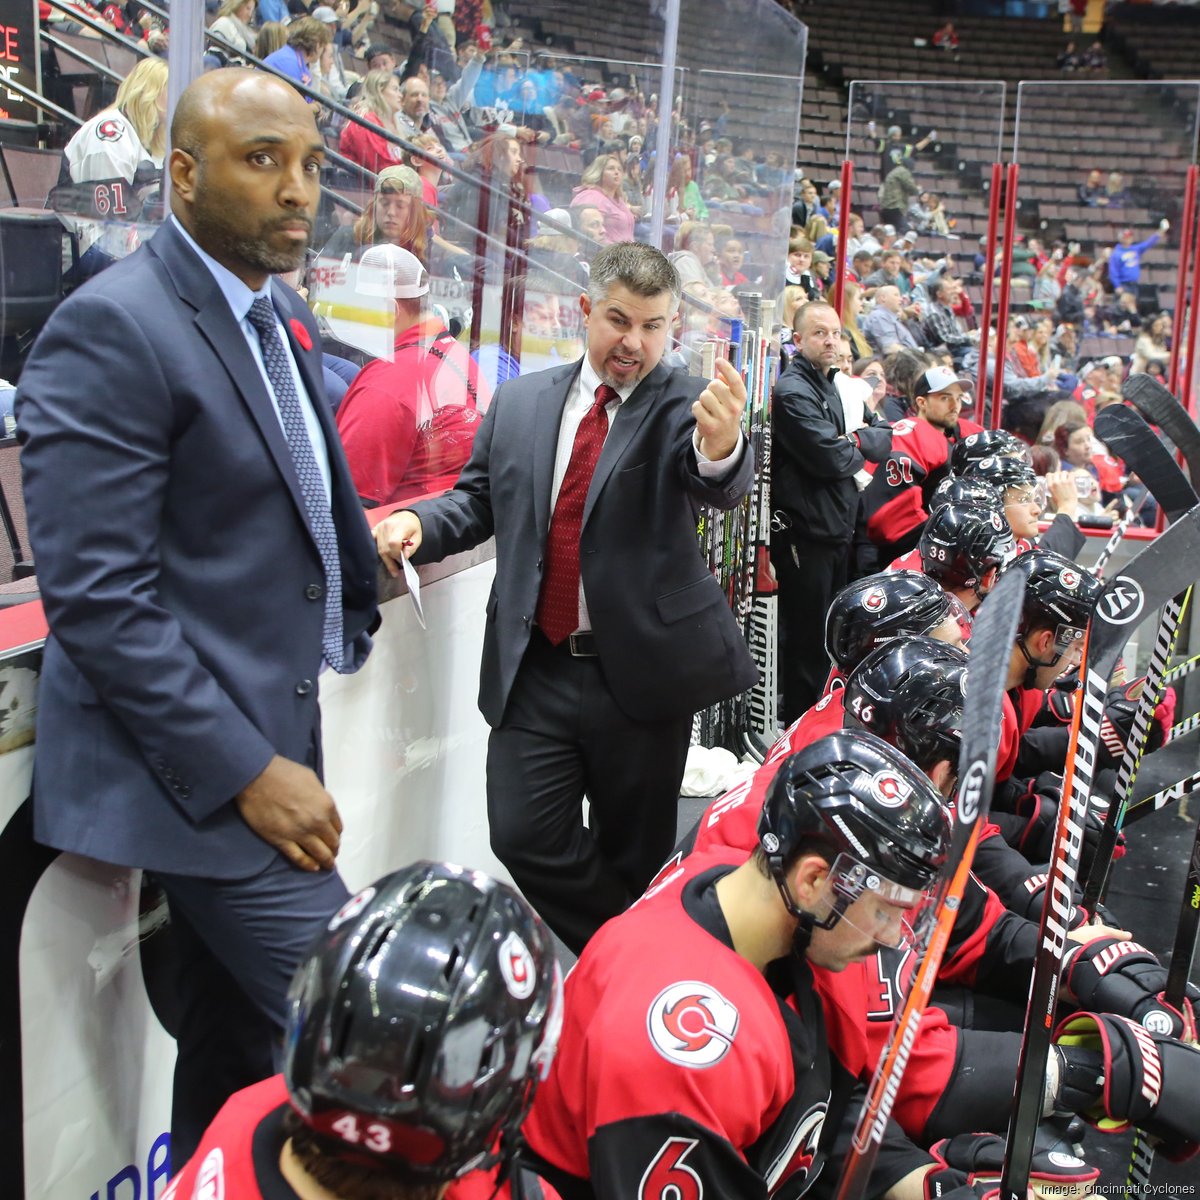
110 130
797 1158
692 1024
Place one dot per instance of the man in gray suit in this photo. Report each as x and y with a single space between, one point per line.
200 550
605 629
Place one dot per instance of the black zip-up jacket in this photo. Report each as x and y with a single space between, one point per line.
813 462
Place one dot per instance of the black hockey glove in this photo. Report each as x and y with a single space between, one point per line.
1124 978
1150 1081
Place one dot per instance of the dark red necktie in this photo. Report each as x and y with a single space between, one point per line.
558 604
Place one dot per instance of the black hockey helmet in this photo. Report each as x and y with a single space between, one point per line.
877 608
910 692
1003 472
987 443
966 490
962 542
852 793
1059 594
422 1020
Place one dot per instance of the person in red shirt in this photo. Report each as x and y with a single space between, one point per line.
896 501
420 1026
408 425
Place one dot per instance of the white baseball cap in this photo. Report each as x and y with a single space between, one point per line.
391 271
938 379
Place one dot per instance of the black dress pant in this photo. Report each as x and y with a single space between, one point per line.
564 737
809 575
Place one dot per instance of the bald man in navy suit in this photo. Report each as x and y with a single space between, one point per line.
200 552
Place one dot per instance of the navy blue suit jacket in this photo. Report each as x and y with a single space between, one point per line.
182 584
668 642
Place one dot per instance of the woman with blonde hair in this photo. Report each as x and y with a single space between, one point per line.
600 187
272 36
120 141
233 24
816 229
852 300
378 102
1153 344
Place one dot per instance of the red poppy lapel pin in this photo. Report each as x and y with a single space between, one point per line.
300 333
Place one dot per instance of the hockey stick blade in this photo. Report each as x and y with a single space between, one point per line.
991 647
1159 406
1165 567
1141 1160
1127 435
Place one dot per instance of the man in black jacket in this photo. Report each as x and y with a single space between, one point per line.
814 497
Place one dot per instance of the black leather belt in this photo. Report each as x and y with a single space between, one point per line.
577 645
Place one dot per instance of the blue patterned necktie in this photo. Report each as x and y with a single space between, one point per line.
312 487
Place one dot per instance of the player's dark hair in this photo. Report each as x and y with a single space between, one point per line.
324 1161
642 269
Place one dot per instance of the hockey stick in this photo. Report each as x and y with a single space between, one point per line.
1114 540
1135 745
1160 799
1160 407
1141 1156
1186 726
991 646
1166 566
1127 435
1183 669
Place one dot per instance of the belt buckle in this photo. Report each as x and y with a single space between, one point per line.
577 642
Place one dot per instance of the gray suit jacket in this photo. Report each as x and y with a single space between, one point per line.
181 580
668 643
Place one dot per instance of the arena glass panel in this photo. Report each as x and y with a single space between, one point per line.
1104 175
922 156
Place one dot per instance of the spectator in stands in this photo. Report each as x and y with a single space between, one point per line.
1119 315
852 304
429 49
890 274
272 36
946 38
233 23
498 161
306 38
1094 59
729 261
1115 193
273 11
1153 345
407 425
799 267
812 201
941 326
884 326
902 369
1069 60
1046 288
395 214
600 187
899 187
113 164
792 296
894 150
1125 261
1062 412
861 265
632 187
1070 307
378 102
926 214
1092 192
822 268
413 117
872 370
695 255
683 201
379 57
448 105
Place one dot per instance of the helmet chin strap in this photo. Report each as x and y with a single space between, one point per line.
1030 680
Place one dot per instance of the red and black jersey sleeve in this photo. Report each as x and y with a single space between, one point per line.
731 820
895 499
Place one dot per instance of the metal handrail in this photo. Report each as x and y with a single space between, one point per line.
95 64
